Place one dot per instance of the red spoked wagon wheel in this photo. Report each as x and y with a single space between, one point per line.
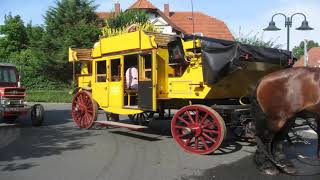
84 109
198 129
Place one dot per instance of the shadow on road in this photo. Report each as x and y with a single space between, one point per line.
245 169
53 138
138 136
52 117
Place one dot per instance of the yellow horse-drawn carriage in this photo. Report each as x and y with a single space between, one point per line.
206 82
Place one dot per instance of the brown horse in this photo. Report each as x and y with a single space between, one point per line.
278 99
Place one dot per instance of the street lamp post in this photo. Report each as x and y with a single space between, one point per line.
288 24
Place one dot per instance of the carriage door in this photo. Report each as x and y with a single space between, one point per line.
115 82
147 82
100 87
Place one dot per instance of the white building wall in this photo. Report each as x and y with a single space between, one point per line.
160 24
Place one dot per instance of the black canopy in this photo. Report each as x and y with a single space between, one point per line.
219 57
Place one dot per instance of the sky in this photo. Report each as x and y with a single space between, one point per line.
246 17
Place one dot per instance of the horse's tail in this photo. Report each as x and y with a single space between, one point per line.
259 117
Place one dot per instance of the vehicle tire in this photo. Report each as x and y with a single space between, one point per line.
37 115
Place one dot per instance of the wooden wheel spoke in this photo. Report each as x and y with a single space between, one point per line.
189 116
211 131
204 118
197 116
209 124
208 137
180 127
184 121
196 143
90 111
81 119
204 143
188 141
87 102
80 100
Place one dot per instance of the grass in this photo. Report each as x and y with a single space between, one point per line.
61 96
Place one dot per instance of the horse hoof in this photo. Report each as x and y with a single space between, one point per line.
269 169
288 168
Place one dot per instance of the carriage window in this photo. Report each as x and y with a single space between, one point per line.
146 66
86 68
115 70
101 71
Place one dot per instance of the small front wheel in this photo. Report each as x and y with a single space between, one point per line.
84 109
37 115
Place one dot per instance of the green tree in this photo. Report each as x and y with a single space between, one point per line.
71 23
35 34
13 36
298 51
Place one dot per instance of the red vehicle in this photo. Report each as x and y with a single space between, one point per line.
12 97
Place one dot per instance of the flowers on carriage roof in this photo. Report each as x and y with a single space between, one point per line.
313 56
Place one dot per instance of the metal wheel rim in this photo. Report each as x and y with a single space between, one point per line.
83 110
198 129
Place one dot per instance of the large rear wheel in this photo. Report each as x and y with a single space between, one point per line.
198 129
84 109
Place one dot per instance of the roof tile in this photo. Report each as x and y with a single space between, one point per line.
104 15
142 4
208 26
314 58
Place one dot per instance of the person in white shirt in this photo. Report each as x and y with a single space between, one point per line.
132 78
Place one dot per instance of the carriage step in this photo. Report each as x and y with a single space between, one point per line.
122 125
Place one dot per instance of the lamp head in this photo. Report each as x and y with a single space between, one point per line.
305 26
272 27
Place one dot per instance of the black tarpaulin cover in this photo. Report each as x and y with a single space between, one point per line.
220 57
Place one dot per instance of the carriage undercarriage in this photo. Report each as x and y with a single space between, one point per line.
197 128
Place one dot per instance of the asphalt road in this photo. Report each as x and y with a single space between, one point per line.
60 151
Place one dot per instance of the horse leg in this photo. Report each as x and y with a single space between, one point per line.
278 150
263 156
264 136
318 133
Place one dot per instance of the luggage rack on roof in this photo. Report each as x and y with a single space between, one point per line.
161 40
77 54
